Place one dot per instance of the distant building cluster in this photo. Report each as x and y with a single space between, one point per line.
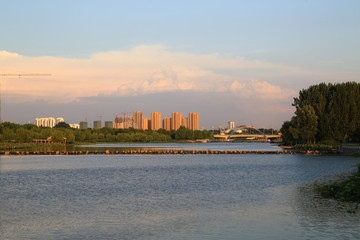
48 122
154 122
137 121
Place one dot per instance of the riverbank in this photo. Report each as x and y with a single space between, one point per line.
346 189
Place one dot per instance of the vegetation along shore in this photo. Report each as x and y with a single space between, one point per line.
346 189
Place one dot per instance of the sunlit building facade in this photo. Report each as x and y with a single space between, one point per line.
155 120
176 119
184 122
138 120
118 123
48 122
193 121
145 123
128 122
167 124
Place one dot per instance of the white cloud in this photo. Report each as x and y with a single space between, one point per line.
260 90
145 69
5 54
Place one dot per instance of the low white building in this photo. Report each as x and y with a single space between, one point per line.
48 122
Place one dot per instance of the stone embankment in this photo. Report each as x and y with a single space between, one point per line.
154 152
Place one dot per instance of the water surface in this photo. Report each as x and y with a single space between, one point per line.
172 197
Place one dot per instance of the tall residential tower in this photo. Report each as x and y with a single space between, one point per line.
193 121
138 120
155 120
176 119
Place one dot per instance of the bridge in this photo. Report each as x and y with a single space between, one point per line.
247 133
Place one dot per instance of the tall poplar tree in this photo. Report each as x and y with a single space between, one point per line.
325 112
306 123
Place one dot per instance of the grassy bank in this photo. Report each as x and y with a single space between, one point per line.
317 147
345 190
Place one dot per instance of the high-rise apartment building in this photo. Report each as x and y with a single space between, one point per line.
138 120
176 119
149 123
128 122
184 122
155 120
118 123
145 123
118 120
167 123
193 121
97 124
83 125
109 124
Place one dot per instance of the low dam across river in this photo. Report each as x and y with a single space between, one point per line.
155 152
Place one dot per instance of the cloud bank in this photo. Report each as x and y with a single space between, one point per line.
141 70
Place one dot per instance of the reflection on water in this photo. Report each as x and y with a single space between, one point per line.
170 197
321 216
47 148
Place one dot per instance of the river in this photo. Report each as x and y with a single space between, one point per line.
175 197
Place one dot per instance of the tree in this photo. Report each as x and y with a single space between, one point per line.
57 135
335 108
183 133
62 125
23 135
287 135
355 136
306 123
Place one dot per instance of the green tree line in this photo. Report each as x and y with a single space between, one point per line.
12 132
326 113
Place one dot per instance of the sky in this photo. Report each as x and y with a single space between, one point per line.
229 60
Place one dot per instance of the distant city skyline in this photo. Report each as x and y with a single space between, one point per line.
241 61
139 121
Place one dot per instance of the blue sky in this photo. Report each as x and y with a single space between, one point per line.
201 49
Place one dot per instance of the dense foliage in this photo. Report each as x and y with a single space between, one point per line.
11 132
328 113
